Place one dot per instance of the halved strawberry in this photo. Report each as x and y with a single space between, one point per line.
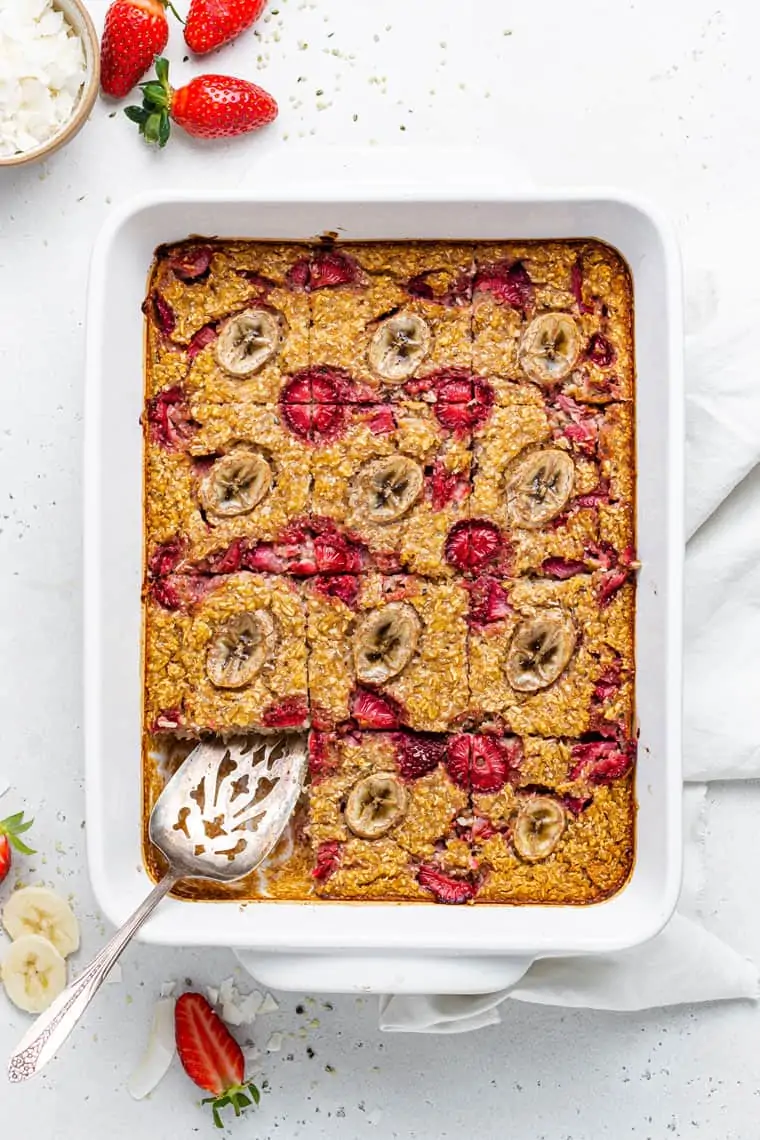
156 306
370 710
444 887
324 269
482 763
297 390
599 351
328 859
472 544
489 600
211 1056
168 419
447 486
602 761
461 401
204 336
166 557
191 263
292 712
508 284
418 753
314 422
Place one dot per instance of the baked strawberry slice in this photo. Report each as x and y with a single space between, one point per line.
167 720
321 759
211 1056
602 761
482 829
608 683
345 587
419 753
445 888
328 859
576 285
489 601
200 340
323 270
599 351
595 498
482 763
158 309
508 284
371 710
292 712
609 584
562 568
446 486
168 419
166 557
317 423
472 544
191 263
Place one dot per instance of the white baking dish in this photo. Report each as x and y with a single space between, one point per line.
339 946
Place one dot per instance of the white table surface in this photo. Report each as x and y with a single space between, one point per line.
659 98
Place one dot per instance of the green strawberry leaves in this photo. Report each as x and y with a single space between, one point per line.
153 116
14 826
239 1096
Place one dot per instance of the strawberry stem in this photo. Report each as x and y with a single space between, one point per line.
153 116
239 1096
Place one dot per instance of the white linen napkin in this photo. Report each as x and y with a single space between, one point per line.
685 962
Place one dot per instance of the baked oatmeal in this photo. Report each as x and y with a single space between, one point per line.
390 502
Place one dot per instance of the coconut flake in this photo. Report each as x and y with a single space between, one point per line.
274 1044
227 990
167 989
155 1061
212 995
269 1005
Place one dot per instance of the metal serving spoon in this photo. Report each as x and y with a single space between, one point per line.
218 817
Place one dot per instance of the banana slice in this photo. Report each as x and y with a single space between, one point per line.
247 341
37 910
550 347
375 805
235 484
385 642
240 649
399 346
539 651
385 489
538 828
539 486
33 973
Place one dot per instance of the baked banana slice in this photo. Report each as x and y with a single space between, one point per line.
399 346
539 486
240 648
385 642
247 341
235 483
375 805
385 489
538 828
550 347
33 973
37 910
540 650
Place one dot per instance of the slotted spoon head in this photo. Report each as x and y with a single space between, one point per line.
226 806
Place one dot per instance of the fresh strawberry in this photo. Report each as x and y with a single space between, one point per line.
447 486
158 309
482 763
472 544
602 761
418 753
445 889
10 830
211 1056
168 419
324 269
292 712
489 601
328 859
134 33
599 351
212 23
370 710
208 107
191 262
508 284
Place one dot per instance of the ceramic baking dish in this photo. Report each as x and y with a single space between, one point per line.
363 946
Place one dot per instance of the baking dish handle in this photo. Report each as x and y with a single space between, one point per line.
376 973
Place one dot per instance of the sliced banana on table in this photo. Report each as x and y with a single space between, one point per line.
375 805
235 483
33 973
399 346
247 341
37 910
385 642
539 486
549 348
385 489
538 828
540 650
240 648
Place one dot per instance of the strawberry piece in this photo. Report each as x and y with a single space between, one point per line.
576 423
212 23
263 284
168 720
370 710
292 712
211 1056
482 763
602 761
609 584
11 829
322 762
166 557
226 561
446 486
608 683
489 601
482 829
191 263
180 591
458 293
328 859
461 401
298 389
264 558
600 352
328 422
208 107
473 543
323 270
508 284
345 587
204 336
600 494
576 285
157 308
445 888
419 286
601 555
382 421
576 804
134 33
419 753
168 418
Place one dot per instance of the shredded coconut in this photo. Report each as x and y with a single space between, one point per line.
42 69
